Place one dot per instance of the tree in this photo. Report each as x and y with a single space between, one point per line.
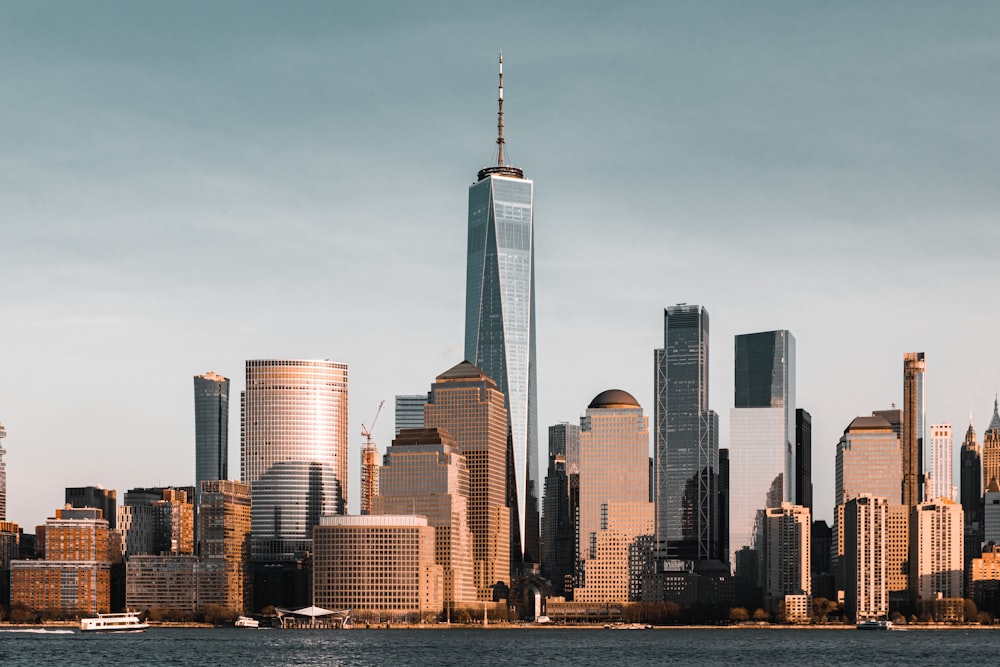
971 613
761 616
22 613
739 615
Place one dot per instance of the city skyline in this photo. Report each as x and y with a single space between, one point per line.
791 172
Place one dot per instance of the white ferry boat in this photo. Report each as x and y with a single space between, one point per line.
874 624
127 622
247 622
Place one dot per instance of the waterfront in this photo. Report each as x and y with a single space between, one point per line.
225 647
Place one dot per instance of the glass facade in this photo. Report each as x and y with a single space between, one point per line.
500 323
211 428
410 411
762 433
686 450
293 450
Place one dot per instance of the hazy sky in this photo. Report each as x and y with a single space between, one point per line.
184 186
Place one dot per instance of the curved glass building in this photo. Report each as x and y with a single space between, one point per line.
293 433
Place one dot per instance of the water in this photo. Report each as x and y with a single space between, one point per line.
479 647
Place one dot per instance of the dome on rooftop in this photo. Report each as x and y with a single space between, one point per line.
614 398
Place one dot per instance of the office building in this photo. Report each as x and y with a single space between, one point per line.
293 432
870 461
914 366
377 563
425 474
558 526
865 589
75 577
762 434
162 582
500 319
614 468
939 478
686 447
937 551
971 493
622 544
94 496
787 556
991 513
211 429
821 551
410 411
467 404
803 459
564 440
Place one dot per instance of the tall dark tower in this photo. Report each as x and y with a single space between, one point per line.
913 427
500 321
803 459
686 448
970 461
211 428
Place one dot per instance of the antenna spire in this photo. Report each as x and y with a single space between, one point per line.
500 141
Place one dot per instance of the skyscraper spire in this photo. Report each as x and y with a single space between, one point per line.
501 168
500 140
995 421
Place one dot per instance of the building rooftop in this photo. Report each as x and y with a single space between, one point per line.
873 423
464 372
614 398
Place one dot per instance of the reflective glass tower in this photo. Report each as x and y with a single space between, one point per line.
500 320
762 433
293 418
211 428
686 451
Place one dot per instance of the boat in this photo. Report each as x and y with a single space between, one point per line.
874 624
125 622
247 622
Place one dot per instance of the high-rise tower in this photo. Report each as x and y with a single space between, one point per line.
211 428
971 493
3 476
500 318
762 433
939 480
686 451
991 449
913 427
294 450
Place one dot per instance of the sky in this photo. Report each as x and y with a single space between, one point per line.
185 186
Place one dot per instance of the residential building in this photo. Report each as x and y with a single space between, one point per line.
914 366
787 554
3 475
224 545
211 428
467 404
939 480
803 459
865 590
500 320
937 550
75 577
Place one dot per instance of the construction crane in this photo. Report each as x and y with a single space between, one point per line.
369 464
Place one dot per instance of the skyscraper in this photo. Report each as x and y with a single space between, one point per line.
940 482
94 496
211 428
564 439
762 433
787 553
469 406
293 451
991 448
425 474
410 411
614 484
500 318
972 494
865 533
803 459
913 427
937 551
686 451
3 476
